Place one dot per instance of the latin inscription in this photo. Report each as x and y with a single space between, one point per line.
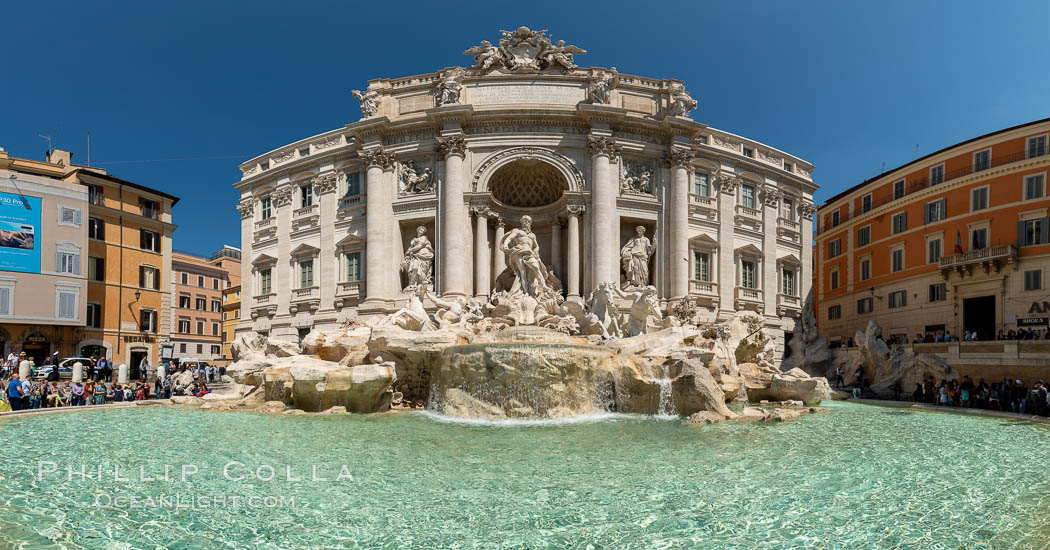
528 94
414 104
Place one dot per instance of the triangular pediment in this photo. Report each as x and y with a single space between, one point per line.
349 240
703 239
305 250
749 250
789 259
264 259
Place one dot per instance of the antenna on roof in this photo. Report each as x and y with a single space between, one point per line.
883 171
50 149
916 147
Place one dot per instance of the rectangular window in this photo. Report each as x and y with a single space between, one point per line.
900 222
834 279
865 269
265 210
149 277
865 305
1033 279
787 286
788 166
200 281
1032 232
747 196
936 211
898 299
978 199
200 327
200 349
898 189
1033 187
182 348
979 238
982 160
307 195
96 269
185 279
933 251
149 240
202 303
67 305
184 326
835 248
1036 146
184 301
747 274
95 194
749 153
305 152
353 184
215 329
864 236
67 262
150 209
215 350
94 316
264 282
787 208
938 292
147 320
937 174
353 266
96 229
216 306
69 216
835 219
306 274
865 203
834 312
897 260
702 184
215 284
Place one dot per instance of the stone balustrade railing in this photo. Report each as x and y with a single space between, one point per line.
307 293
268 222
748 212
351 289
703 288
349 201
305 211
748 294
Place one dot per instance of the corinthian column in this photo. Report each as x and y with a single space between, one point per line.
605 222
678 198
499 258
556 250
481 252
377 226
572 246
455 228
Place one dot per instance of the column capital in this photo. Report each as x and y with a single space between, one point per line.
727 183
246 208
808 210
452 145
377 157
678 157
771 195
601 145
575 210
480 211
282 195
325 183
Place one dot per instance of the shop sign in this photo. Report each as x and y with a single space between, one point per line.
1032 322
1039 307
130 338
36 339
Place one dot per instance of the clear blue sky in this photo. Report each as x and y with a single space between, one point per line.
845 85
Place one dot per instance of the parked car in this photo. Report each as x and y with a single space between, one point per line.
64 366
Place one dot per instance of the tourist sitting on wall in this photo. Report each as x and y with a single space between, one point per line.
15 393
128 394
140 395
118 394
99 395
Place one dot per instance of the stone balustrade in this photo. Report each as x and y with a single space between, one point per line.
703 288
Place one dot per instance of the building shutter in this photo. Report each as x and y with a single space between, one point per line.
78 217
1020 234
1043 230
5 301
926 213
156 279
142 238
142 276
76 264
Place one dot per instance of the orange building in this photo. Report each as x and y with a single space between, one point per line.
955 241
231 315
197 330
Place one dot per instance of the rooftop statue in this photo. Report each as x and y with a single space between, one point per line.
524 50
369 100
681 102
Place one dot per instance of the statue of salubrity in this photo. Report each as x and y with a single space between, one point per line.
634 257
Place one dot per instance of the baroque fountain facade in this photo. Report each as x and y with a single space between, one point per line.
524 237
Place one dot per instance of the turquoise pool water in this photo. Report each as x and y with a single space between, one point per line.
858 477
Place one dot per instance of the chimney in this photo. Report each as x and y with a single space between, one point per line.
60 157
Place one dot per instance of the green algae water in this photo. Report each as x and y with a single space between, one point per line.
857 477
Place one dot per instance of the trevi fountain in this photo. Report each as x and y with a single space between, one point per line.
573 397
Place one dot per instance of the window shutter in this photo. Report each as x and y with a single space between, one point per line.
76 264
142 276
78 217
156 279
58 262
926 214
142 238
5 301
1020 234
1043 230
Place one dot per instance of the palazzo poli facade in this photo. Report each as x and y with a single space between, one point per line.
620 184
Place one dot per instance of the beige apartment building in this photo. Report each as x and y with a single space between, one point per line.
43 267
198 285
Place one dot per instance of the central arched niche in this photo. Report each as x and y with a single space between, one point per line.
527 183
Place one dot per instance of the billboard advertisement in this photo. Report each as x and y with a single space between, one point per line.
19 233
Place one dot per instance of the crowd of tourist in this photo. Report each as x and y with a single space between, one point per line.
46 390
967 336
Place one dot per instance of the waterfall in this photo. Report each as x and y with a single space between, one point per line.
667 408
